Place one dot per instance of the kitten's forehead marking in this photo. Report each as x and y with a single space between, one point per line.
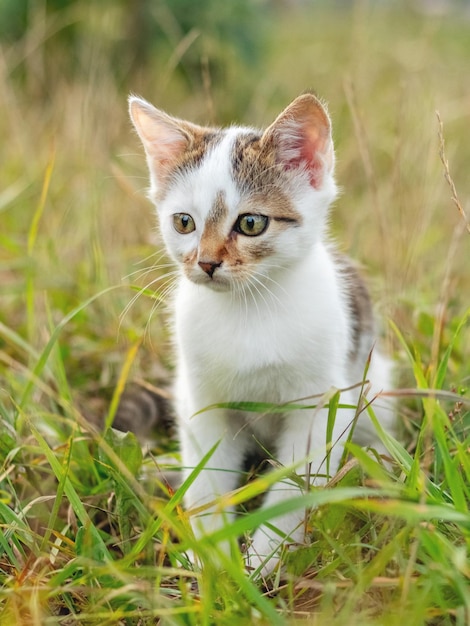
219 210
211 176
212 244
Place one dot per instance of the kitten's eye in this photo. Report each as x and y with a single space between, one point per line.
251 225
183 223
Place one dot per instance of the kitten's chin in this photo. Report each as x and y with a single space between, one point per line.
215 284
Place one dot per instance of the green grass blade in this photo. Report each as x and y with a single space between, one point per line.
17 340
11 523
413 512
32 236
453 476
443 365
316 498
413 359
44 356
333 406
164 514
72 496
122 380
59 494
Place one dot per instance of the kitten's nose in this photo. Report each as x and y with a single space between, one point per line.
209 267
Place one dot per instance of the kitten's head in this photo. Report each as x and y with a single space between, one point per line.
238 206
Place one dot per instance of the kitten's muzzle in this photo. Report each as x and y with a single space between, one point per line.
209 267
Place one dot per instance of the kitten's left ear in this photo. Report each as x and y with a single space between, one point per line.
301 138
165 138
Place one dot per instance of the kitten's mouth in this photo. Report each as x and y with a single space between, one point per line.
214 282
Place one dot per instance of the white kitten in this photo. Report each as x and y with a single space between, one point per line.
265 309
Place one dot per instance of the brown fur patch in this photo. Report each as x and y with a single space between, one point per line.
360 306
275 204
201 141
254 168
213 243
259 248
215 248
261 179
219 210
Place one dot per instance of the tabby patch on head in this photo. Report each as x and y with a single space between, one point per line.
237 206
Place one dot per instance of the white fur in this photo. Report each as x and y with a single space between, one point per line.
274 332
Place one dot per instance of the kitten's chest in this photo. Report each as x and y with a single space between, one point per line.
233 346
249 349
243 335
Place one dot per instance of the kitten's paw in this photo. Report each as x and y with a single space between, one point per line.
261 568
265 556
262 559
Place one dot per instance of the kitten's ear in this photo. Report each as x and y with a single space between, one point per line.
301 138
164 139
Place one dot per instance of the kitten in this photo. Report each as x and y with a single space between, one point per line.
265 309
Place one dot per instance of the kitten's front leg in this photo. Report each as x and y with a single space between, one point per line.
221 473
302 443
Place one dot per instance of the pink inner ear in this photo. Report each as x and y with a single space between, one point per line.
301 137
163 139
308 148
166 153
165 145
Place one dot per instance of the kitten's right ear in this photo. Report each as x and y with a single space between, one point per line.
301 137
163 138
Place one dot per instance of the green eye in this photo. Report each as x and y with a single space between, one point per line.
183 223
251 225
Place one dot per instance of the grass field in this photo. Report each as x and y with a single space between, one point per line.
87 534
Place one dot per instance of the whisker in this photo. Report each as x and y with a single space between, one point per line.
158 253
167 278
254 282
166 293
146 270
255 276
249 285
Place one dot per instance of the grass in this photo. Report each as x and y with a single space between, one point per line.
88 534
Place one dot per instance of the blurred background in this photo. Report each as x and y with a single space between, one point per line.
74 220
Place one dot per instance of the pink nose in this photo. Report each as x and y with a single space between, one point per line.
209 267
